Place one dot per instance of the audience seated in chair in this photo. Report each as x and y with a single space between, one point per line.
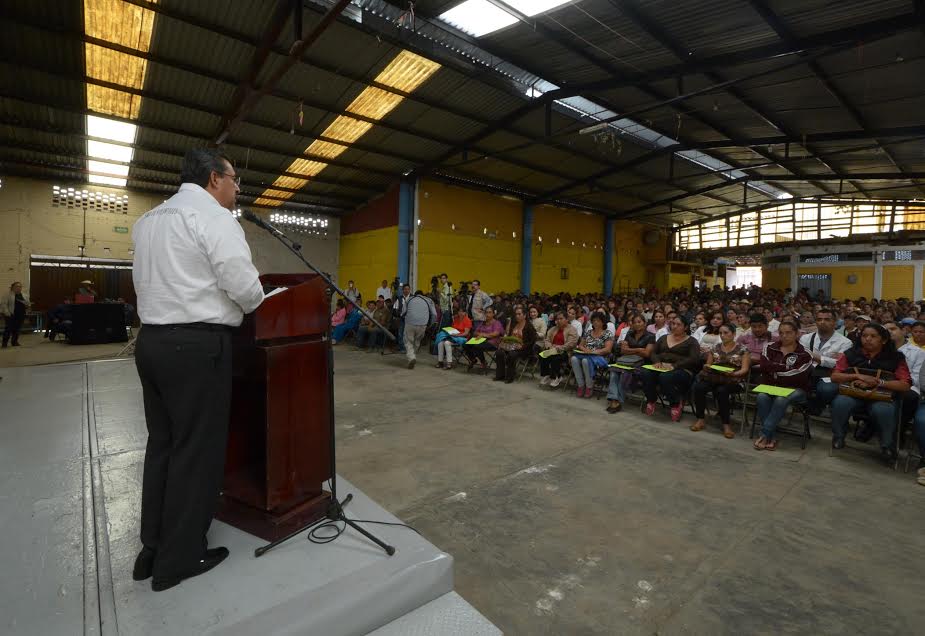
350 322
825 345
516 345
875 352
786 364
634 348
491 330
721 383
591 354
368 334
445 341
561 339
539 324
59 320
677 355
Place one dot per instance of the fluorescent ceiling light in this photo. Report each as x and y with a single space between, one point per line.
101 167
107 173
111 152
111 129
478 17
113 181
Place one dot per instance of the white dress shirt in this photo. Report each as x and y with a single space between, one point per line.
830 350
192 263
385 292
914 359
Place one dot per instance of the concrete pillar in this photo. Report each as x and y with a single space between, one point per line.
794 271
917 282
609 227
405 221
878 278
526 249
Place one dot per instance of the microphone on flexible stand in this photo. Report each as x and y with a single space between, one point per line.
256 220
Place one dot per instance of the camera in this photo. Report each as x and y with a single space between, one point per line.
464 288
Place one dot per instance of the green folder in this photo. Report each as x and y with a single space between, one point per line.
716 367
475 341
621 366
451 330
652 367
547 353
778 391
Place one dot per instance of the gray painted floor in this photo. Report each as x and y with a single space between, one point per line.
563 519
71 449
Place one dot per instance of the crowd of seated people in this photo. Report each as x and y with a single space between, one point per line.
860 359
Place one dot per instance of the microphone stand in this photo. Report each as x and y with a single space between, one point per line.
335 510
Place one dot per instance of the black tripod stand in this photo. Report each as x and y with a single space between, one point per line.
335 511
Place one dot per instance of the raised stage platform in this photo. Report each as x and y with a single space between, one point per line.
72 442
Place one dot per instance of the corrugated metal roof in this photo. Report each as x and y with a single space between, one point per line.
215 42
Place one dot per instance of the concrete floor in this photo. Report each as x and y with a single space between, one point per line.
566 520
35 349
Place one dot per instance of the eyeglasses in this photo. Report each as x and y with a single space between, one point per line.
235 178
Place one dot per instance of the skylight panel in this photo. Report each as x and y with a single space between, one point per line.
478 17
111 152
111 129
535 7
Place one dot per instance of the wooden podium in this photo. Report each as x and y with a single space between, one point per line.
279 439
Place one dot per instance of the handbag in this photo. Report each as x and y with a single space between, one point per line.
631 360
511 343
877 394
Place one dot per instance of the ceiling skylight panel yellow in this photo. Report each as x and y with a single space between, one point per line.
289 182
406 72
119 22
374 103
306 167
108 101
115 66
346 129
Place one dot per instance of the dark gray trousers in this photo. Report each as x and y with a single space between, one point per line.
185 375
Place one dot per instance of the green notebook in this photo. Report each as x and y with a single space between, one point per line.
547 353
475 341
716 367
621 366
652 367
778 391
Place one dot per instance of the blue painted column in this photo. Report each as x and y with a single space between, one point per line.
608 255
405 219
526 249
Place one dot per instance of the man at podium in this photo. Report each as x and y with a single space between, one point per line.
195 280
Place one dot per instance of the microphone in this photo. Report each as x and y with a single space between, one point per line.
256 220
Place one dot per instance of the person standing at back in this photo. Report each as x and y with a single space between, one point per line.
13 307
195 280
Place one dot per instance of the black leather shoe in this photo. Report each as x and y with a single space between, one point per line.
838 443
888 454
212 558
144 564
863 433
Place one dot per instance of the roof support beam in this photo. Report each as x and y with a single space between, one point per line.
772 19
251 97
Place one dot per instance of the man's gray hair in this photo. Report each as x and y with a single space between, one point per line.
200 163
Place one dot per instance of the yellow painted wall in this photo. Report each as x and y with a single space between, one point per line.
367 258
841 288
632 254
485 244
682 280
573 240
898 281
777 278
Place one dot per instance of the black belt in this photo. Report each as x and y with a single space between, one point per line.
201 326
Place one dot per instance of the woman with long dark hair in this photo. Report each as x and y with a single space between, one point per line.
677 358
729 354
884 368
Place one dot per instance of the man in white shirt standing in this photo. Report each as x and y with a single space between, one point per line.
195 280
384 291
825 345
